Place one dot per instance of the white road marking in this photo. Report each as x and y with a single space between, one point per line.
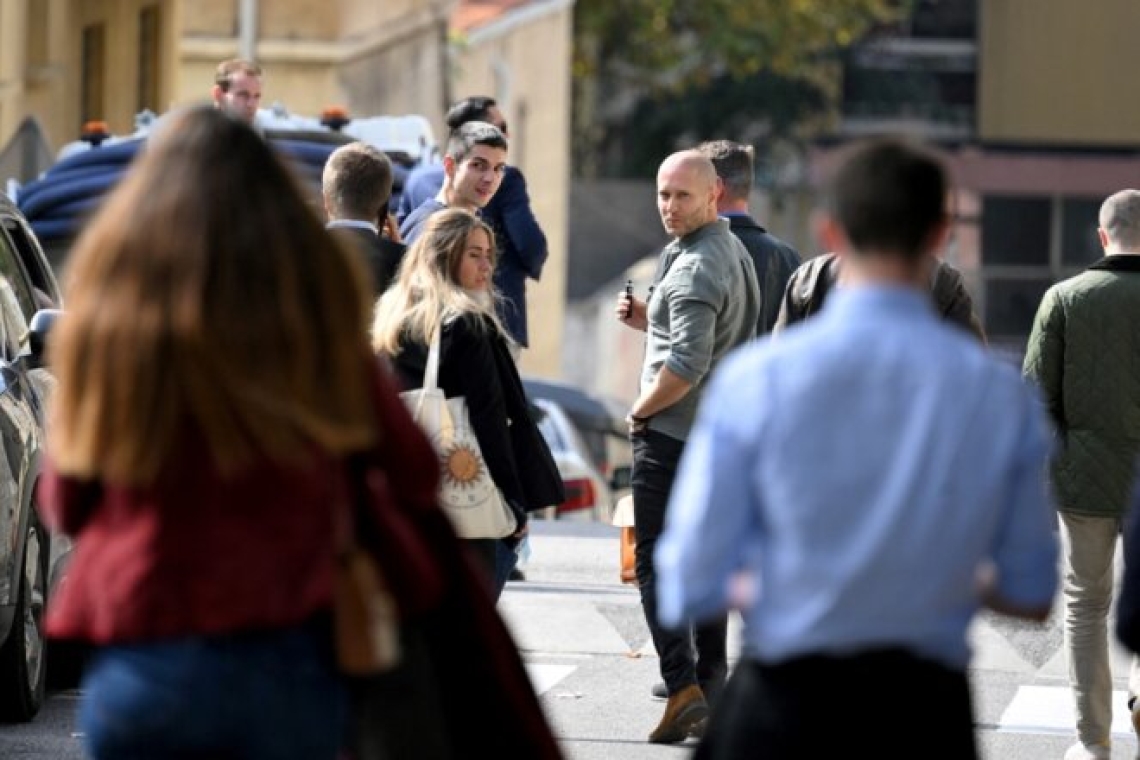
544 677
1049 710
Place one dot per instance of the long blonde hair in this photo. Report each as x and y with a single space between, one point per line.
206 296
426 292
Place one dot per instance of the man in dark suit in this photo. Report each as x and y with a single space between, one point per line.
774 259
357 185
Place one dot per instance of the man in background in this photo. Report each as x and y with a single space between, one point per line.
237 88
473 167
774 259
1082 353
521 243
356 186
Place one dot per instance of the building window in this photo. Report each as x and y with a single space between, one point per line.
94 72
1029 243
149 31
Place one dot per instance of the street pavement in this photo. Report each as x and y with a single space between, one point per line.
588 653
588 649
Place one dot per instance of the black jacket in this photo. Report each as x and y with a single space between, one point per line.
774 260
381 255
809 285
475 363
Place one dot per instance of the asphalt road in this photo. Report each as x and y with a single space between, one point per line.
587 650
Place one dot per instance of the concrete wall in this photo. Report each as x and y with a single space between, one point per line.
524 63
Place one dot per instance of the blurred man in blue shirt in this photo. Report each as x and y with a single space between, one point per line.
859 488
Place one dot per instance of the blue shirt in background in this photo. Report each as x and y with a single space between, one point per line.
861 468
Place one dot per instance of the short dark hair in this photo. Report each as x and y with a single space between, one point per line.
357 182
467 136
889 195
476 108
733 164
224 76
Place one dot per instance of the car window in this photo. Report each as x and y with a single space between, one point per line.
12 271
34 264
16 301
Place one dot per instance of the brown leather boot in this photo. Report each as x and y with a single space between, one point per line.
685 711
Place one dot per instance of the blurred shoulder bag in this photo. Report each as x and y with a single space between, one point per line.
467 494
365 619
627 540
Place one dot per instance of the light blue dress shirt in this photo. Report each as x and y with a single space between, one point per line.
861 468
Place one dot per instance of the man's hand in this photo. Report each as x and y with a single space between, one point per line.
637 425
631 311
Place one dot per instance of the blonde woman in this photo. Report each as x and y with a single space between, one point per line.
214 378
444 285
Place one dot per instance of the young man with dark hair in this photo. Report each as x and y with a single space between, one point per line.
520 240
774 259
356 186
859 489
237 88
473 167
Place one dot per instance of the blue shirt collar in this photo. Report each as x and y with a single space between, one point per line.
900 299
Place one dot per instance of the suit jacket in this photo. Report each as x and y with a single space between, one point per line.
380 254
475 363
774 261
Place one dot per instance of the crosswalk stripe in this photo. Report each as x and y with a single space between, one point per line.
1049 710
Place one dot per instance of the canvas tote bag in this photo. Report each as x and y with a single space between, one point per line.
467 494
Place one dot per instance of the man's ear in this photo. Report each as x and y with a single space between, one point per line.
449 166
1104 241
217 93
829 233
718 190
938 237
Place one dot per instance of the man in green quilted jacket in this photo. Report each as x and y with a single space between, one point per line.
1084 352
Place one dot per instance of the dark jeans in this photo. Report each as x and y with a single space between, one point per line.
695 654
850 706
255 696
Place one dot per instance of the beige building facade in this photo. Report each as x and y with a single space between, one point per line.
519 53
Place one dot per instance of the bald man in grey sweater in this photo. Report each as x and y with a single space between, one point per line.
705 302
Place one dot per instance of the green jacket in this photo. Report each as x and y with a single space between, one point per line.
1084 353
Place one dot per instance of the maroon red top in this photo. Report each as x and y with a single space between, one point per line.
197 553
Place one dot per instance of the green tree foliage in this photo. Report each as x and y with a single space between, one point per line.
678 53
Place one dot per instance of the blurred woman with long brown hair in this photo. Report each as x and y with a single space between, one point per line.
214 378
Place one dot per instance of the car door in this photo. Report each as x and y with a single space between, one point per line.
21 439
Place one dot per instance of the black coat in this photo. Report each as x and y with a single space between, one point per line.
774 261
381 255
809 285
475 363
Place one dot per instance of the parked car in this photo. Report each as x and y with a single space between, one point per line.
588 495
599 421
30 559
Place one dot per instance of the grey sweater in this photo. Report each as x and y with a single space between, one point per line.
706 301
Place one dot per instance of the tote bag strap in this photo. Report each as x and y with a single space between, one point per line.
431 377
431 371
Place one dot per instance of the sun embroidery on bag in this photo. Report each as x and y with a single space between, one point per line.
461 466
